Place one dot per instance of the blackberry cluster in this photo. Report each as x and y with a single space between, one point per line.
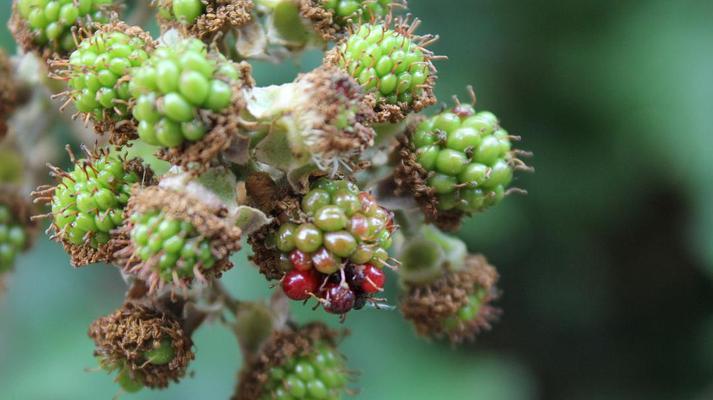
183 11
171 245
387 63
97 71
468 158
339 249
351 10
322 374
173 85
13 238
88 203
51 21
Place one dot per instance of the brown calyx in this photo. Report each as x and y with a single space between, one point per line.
281 347
412 179
332 93
321 19
198 157
427 307
219 16
123 337
283 206
209 221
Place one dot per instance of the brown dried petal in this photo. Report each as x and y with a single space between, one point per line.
427 307
123 337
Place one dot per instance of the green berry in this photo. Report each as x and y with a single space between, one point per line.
173 243
183 11
319 374
161 355
13 238
88 202
173 85
471 155
51 22
386 62
330 218
94 73
308 238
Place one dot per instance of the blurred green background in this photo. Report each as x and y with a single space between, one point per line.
606 266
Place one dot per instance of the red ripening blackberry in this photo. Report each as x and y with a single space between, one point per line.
337 248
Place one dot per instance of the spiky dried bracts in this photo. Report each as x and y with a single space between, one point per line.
298 363
8 92
332 18
448 292
17 230
98 74
330 244
188 101
87 203
456 163
145 346
203 19
47 27
392 64
175 238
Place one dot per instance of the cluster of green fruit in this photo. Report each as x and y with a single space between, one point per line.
175 245
385 62
352 10
173 85
88 203
13 239
468 156
321 375
96 69
183 11
51 21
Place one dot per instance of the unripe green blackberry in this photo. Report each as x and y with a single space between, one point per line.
16 226
457 163
173 245
13 238
48 24
456 306
175 238
393 66
179 83
88 202
345 11
98 73
202 18
145 346
301 364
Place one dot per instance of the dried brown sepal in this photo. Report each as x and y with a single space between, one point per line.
333 95
198 157
219 16
283 206
281 347
119 131
321 19
123 338
209 221
427 307
412 179
82 255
